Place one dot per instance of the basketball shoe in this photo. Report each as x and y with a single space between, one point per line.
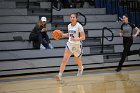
80 71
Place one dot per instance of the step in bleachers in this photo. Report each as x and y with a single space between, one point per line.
125 63
92 25
18 27
81 10
7 4
100 25
97 49
51 62
15 45
39 12
98 33
24 35
46 65
134 57
12 12
94 18
119 48
45 5
119 40
26 45
18 19
30 54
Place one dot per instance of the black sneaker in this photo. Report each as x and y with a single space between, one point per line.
118 69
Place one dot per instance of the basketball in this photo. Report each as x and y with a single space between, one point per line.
57 34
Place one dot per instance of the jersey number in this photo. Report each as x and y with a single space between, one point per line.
71 35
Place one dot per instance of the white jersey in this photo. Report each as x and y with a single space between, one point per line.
74 32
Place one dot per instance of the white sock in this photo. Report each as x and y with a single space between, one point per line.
60 74
81 68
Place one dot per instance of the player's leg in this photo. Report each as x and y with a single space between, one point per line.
65 60
79 62
77 57
67 54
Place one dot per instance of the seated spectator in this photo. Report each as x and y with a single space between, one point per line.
65 3
91 2
76 3
80 3
39 36
72 3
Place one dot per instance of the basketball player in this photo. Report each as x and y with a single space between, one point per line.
74 45
127 33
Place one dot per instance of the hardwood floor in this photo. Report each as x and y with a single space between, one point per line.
93 81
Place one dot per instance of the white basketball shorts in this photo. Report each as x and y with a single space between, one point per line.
76 49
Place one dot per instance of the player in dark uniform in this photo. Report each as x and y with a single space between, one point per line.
127 33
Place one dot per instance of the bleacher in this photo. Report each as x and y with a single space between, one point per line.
17 56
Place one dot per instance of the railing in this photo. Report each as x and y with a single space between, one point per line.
55 4
103 36
85 19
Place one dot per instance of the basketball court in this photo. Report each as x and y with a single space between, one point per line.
93 81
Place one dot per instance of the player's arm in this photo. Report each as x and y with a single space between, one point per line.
82 37
65 35
82 34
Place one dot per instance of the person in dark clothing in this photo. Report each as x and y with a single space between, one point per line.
91 2
65 3
39 35
127 33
